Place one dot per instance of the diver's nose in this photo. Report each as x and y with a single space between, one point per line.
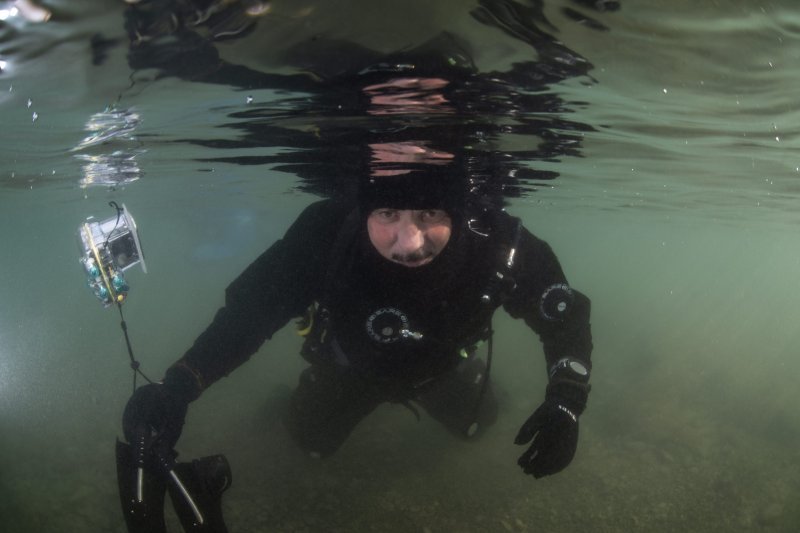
409 238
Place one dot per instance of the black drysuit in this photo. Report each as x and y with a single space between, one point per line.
384 332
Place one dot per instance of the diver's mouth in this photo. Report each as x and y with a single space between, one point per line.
415 259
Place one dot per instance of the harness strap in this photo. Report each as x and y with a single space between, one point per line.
500 287
484 383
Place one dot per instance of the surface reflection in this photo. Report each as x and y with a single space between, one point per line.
113 129
337 96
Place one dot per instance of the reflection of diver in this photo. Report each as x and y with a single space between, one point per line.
178 37
326 77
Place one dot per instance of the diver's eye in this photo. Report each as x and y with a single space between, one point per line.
386 215
433 216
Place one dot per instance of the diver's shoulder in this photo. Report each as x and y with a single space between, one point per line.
320 217
328 210
512 227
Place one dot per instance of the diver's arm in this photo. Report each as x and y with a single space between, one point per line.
560 315
542 297
277 286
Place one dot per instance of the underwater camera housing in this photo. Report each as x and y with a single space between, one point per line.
109 248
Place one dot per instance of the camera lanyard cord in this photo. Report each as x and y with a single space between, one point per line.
116 206
135 365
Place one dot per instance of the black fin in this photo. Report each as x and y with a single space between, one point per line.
205 479
146 516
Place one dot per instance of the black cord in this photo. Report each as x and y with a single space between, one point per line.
116 206
135 365
486 373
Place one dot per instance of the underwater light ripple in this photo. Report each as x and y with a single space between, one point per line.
6 14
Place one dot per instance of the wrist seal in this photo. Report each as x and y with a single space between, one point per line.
184 382
572 394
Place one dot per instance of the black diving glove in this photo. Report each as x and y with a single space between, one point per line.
155 410
552 430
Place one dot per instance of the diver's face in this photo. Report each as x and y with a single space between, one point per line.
408 237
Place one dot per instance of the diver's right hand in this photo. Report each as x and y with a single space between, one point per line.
154 408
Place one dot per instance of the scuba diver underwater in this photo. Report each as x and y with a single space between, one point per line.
394 276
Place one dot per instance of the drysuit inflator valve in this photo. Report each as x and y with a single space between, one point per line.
109 248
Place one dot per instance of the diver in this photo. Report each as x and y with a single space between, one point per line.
397 289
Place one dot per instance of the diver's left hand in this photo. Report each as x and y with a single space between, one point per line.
155 411
552 431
